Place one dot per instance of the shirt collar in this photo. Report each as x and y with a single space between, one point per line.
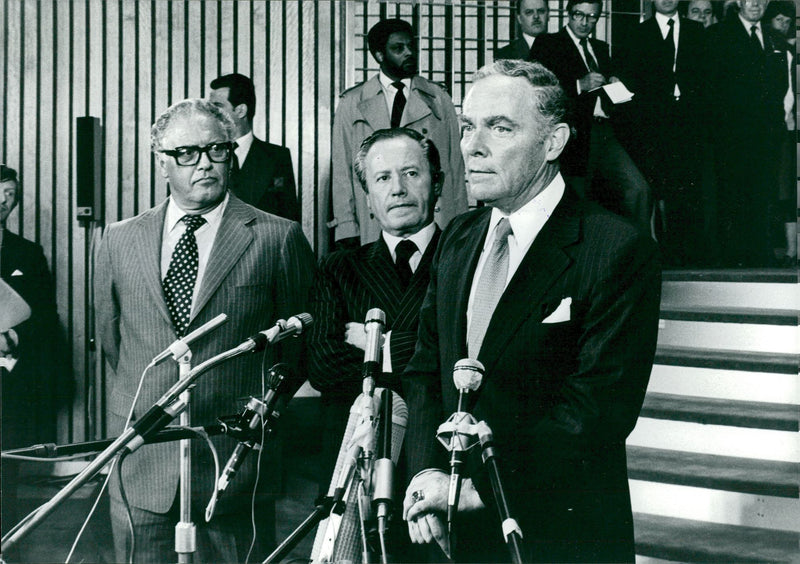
175 213
386 82
421 239
529 39
244 142
574 37
747 25
527 221
662 20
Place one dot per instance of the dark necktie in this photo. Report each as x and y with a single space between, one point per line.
235 164
490 288
669 43
404 250
399 104
754 38
591 62
182 275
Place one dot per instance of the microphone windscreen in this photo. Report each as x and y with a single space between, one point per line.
347 544
14 310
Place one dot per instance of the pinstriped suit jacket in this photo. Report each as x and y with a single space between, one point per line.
348 284
560 397
259 270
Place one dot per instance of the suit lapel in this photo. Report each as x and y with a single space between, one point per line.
233 238
408 310
373 106
380 277
543 264
146 252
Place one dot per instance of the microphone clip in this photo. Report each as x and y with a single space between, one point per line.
246 426
459 433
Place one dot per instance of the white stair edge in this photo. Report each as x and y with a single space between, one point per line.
716 506
729 336
762 295
722 440
725 384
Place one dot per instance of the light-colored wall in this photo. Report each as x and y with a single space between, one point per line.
125 61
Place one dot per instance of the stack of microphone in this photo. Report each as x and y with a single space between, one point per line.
364 470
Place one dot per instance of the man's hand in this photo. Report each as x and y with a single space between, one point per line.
591 81
426 502
356 334
8 343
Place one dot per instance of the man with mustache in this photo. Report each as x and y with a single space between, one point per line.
164 273
395 97
532 19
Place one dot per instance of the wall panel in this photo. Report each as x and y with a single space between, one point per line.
125 61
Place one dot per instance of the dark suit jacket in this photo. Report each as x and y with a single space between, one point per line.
559 53
29 390
560 397
747 87
266 180
259 270
517 49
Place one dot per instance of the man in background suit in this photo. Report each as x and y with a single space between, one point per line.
663 63
264 177
400 172
583 66
558 299
532 19
397 96
29 376
168 271
748 82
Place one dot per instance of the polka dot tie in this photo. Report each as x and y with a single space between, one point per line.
182 275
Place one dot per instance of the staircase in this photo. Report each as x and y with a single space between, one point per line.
714 461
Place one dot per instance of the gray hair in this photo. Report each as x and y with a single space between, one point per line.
551 101
186 108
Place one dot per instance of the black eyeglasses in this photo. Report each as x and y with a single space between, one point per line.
579 16
190 155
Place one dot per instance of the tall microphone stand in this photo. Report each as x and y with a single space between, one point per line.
185 531
157 417
511 530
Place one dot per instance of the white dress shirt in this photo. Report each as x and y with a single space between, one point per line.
389 91
526 223
243 144
663 25
205 235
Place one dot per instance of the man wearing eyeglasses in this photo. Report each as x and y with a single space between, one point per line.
164 273
583 66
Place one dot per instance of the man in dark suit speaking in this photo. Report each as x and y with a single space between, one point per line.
262 172
558 299
164 273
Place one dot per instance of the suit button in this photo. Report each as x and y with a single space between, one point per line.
424 131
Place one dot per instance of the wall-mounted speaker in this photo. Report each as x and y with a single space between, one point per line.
88 177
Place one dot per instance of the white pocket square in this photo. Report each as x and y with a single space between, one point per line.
16 273
561 313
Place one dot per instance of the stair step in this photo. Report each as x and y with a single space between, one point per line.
711 411
766 275
744 475
771 289
780 363
699 541
756 316
729 336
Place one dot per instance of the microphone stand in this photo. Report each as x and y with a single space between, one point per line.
321 511
511 530
185 530
157 417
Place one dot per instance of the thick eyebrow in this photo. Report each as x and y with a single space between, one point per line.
489 121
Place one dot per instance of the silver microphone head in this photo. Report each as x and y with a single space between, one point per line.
375 315
468 374
304 320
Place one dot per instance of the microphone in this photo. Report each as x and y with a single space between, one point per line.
374 326
181 346
339 536
295 325
383 494
248 422
467 377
